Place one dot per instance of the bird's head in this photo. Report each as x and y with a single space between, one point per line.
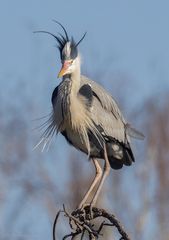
69 58
68 51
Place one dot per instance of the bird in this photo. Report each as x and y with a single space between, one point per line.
88 117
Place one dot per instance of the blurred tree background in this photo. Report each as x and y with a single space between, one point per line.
129 57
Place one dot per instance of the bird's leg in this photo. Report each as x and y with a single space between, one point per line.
96 179
106 171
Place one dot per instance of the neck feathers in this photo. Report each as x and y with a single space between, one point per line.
76 76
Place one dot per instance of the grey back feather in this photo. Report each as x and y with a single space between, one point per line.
111 120
105 112
108 103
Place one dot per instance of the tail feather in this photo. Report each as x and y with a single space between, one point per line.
115 164
127 157
134 133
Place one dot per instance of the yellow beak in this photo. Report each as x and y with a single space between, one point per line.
64 68
62 72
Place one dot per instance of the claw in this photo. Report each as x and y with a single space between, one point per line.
91 211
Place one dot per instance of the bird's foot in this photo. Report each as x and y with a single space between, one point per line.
85 212
91 211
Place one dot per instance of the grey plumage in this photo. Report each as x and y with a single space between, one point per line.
104 114
87 116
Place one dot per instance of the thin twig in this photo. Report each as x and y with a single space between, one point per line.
54 224
113 220
71 235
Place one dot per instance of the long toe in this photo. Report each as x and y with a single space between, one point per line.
91 211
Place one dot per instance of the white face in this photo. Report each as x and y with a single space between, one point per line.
70 60
69 66
73 65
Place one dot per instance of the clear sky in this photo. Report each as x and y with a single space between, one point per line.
130 36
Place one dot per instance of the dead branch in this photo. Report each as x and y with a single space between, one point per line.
80 223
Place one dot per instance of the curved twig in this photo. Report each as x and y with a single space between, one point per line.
114 221
54 223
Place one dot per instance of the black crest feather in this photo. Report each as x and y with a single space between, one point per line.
63 40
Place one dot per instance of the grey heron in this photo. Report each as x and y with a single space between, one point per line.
88 117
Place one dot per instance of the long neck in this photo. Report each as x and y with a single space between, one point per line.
71 85
75 77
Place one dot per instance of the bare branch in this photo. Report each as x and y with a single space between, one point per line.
80 222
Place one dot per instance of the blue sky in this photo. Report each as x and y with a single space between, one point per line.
127 36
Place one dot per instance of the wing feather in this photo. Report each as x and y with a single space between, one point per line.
107 101
105 112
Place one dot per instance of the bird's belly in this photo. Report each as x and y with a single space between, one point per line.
75 139
96 149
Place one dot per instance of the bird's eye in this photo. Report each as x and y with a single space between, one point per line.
71 61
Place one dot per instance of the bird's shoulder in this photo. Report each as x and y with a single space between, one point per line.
86 92
102 95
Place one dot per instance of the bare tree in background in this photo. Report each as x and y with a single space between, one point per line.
158 152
